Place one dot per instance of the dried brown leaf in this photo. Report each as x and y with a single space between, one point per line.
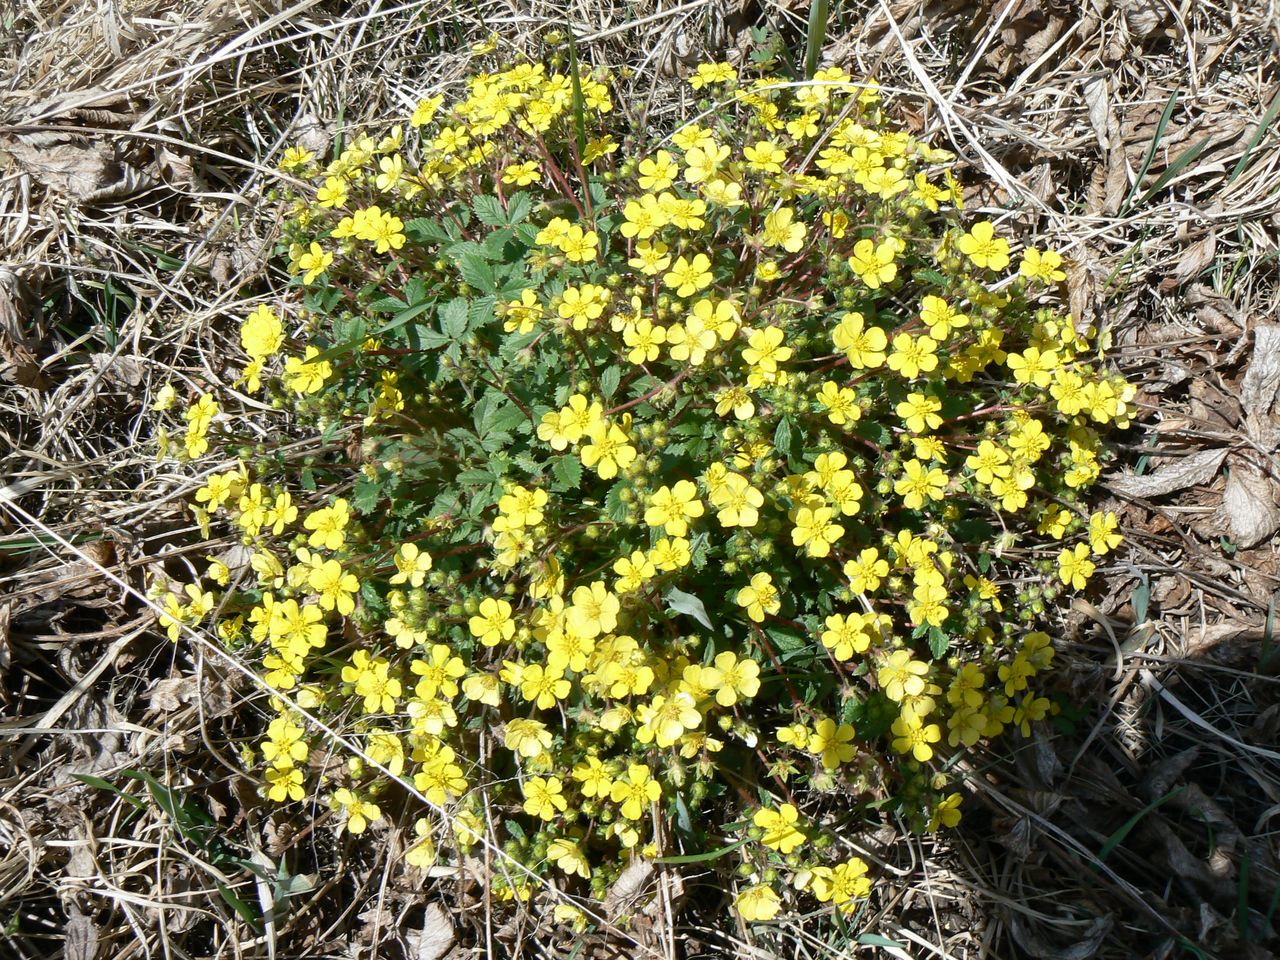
1249 507
435 938
1173 475
628 887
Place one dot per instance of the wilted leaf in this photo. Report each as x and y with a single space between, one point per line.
435 938
1175 474
1248 505
628 887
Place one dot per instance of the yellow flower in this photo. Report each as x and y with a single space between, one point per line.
687 277
983 247
875 263
664 720
423 852
940 317
328 526
673 507
912 735
863 346
295 157
635 791
412 565
1074 566
658 172
306 374
866 571
568 856
760 597
764 349
333 193
815 531
758 903
261 334
946 813
901 676
1044 266
359 813
912 356
1102 533
920 482
334 587
780 831
493 623
608 450
841 403
845 635
842 884
527 738
732 679
544 797
782 230
919 412
832 742
285 783
521 174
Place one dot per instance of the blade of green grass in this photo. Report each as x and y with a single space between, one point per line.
703 857
819 10
1185 159
1126 828
1152 147
1264 125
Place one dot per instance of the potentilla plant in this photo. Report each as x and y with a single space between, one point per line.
664 488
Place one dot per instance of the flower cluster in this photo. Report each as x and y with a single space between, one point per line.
740 465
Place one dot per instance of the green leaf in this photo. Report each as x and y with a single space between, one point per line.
1117 838
415 291
609 381
489 211
453 318
518 207
425 230
477 273
688 604
387 305
939 642
875 940
782 437
239 906
366 495
614 508
101 784
704 857
568 474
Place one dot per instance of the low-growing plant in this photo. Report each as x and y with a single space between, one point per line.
661 488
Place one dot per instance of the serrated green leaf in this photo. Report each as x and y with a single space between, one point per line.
518 207
426 230
614 508
415 291
366 494
609 381
489 211
453 318
567 471
387 305
782 437
476 272
939 643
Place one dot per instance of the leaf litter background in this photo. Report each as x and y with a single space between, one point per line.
137 146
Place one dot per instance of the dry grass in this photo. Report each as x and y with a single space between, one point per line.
138 143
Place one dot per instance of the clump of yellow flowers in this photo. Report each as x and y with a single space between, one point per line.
664 486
